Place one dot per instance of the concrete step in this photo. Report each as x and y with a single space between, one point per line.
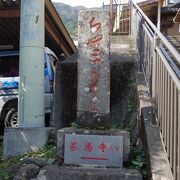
87 173
120 39
122 44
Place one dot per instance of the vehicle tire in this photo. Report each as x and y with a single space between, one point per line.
11 119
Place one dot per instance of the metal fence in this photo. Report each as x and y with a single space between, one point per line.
160 62
121 17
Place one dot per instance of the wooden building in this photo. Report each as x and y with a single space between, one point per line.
57 37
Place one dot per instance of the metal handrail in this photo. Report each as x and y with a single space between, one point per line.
160 61
170 61
158 33
169 69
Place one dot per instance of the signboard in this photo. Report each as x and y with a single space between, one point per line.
93 150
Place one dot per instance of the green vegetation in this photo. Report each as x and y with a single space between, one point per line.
120 126
5 165
73 125
137 157
71 25
137 160
69 16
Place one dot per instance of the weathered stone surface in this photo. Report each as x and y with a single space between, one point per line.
65 93
96 150
14 170
51 161
27 171
84 173
93 68
61 139
122 76
93 120
41 162
17 141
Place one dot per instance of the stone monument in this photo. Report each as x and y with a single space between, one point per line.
93 147
93 101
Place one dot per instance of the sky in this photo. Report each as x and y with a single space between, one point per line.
86 3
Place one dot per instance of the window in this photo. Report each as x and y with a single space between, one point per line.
9 66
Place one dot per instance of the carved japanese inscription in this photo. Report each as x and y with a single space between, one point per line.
94 150
93 69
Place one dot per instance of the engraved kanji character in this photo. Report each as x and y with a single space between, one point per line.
73 146
102 147
94 26
88 147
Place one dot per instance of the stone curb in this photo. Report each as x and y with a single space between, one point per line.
156 157
75 173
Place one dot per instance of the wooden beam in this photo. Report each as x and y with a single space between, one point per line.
9 13
55 38
177 17
57 20
67 50
7 41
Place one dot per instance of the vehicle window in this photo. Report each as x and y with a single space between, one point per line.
9 66
53 62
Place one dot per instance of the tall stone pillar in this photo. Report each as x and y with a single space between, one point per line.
93 103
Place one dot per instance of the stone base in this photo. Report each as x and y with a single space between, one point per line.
18 141
61 139
87 173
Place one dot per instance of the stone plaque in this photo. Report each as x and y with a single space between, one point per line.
93 101
93 150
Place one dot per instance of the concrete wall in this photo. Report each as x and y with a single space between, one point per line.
65 93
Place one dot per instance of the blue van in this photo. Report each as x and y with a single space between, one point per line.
9 80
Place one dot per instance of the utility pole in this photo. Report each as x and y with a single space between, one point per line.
31 133
31 87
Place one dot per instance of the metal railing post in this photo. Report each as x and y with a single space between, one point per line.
154 67
111 16
141 43
130 15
